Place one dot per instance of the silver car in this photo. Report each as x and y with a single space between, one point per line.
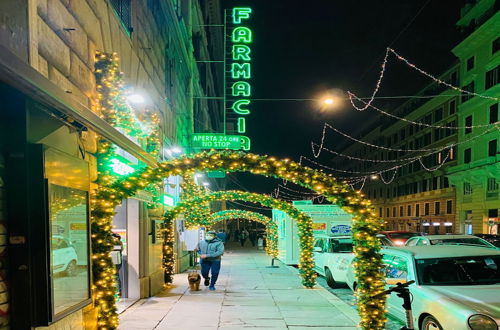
470 240
456 287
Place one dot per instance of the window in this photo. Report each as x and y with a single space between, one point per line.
401 211
449 206
468 88
468 124
122 9
320 245
408 210
387 212
394 212
492 77
470 63
467 188
417 210
492 148
380 212
438 115
467 155
452 107
396 268
495 46
494 113
426 209
437 208
492 185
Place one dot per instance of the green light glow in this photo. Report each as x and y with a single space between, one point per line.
240 13
238 107
168 200
215 141
242 125
241 88
120 167
241 52
242 34
240 71
246 143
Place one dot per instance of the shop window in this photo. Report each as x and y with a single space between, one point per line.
492 77
436 230
494 113
468 125
448 229
449 206
470 63
437 208
492 148
426 228
467 155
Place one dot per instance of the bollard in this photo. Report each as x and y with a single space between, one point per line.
272 264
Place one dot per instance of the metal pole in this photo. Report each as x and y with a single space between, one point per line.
224 72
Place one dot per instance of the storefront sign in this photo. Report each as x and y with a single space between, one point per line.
239 68
341 230
215 141
319 228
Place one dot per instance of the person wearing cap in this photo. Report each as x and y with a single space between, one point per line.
210 250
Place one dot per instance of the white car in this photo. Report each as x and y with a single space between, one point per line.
456 287
64 257
469 240
333 255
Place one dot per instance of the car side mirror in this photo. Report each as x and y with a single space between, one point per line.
318 249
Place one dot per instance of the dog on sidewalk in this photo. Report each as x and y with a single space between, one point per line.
194 280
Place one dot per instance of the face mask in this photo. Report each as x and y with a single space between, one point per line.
209 237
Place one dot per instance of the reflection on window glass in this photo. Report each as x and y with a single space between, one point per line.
69 246
396 267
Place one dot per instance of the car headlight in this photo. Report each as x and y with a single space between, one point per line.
482 322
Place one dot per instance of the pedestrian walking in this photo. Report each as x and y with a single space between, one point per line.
260 243
243 237
210 250
253 237
222 235
236 235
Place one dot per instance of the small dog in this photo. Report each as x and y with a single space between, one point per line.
194 280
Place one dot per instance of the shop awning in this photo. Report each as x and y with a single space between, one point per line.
20 75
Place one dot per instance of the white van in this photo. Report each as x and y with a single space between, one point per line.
333 256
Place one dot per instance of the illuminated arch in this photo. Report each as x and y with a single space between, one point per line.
304 222
368 261
271 226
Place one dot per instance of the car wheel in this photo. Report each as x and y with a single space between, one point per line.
71 269
430 323
329 279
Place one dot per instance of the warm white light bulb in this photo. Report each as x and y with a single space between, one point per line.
135 98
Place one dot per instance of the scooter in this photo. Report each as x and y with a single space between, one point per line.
403 292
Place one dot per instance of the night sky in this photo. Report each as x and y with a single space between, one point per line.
302 48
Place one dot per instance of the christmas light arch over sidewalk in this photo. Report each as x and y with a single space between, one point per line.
271 226
304 225
368 261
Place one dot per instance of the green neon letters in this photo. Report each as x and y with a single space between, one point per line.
241 52
239 71
240 13
238 107
242 34
241 88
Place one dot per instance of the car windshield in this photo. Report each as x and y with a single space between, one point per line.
402 235
459 270
385 241
462 241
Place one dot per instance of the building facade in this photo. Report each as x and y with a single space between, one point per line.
49 127
477 172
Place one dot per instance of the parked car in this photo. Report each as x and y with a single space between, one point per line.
449 240
64 257
399 237
334 254
493 239
456 287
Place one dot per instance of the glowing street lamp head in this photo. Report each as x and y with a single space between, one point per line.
176 150
374 177
136 98
328 101
206 184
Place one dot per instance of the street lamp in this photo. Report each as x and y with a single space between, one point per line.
136 98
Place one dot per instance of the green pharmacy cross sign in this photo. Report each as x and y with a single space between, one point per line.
219 141
238 68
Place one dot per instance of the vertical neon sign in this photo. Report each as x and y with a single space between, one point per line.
239 71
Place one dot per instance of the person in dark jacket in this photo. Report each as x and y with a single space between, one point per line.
253 237
210 250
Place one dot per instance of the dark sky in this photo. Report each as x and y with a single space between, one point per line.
304 47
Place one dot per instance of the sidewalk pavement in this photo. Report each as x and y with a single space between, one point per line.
249 295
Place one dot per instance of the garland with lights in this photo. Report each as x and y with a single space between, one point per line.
198 212
271 227
168 260
304 223
368 261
